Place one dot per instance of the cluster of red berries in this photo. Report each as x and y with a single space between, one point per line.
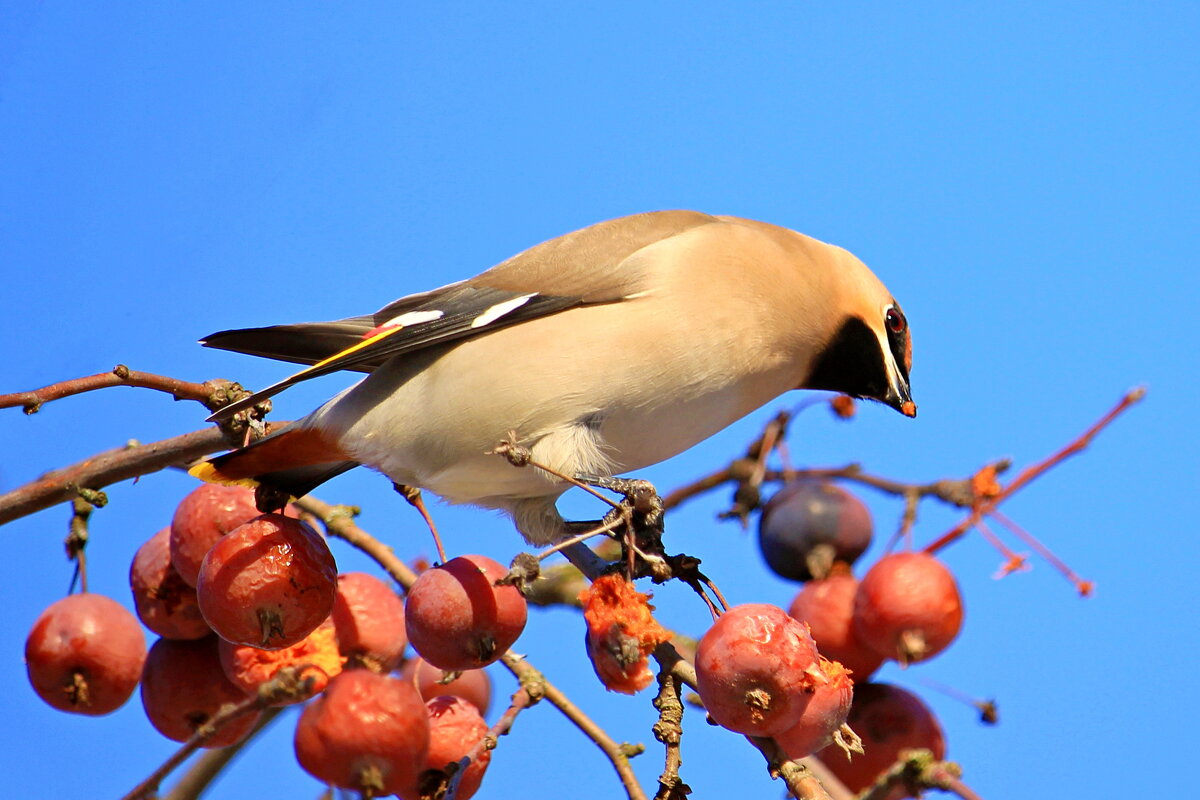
766 673
267 586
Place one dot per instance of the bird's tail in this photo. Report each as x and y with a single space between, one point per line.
294 460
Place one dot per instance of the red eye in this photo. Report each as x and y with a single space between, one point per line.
895 321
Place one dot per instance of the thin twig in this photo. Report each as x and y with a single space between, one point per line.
522 699
209 765
288 683
602 528
669 731
121 375
979 510
107 468
801 783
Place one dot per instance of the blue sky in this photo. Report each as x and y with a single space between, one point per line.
1023 177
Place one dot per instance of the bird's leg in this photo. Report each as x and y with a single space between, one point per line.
641 511
413 495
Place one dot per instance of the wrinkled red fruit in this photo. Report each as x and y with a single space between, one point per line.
268 584
165 603
808 525
367 732
823 716
756 668
888 719
84 654
455 727
472 685
457 618
827 605
316 656
203 517
908 607
183 687
369 618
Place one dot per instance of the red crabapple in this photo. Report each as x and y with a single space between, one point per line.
183 687
209 512
889 720
85 654
165 603
908 607
756 668
823 716
827 606
458 618
455 727
268 584
472 685
369 618
809 525
316 654
366 732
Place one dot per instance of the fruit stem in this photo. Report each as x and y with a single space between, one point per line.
76 541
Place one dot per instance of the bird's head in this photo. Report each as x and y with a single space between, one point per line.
869 353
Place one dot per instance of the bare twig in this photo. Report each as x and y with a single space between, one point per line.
339 523
288 683
669 731
800 781
915 770
121 375
107 468
981 509
521 700
208 766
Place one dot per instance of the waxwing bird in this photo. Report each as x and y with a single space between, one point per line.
605 350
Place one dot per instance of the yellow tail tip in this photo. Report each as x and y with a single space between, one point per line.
209 473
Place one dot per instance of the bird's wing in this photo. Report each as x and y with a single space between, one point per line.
587 267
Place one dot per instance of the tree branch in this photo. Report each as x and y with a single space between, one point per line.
107 468
213 394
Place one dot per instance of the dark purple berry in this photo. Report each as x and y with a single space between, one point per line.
808 525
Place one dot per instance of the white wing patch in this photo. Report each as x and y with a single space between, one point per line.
500 309
413 318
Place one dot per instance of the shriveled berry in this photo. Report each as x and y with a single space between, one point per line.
823 716
183 687
472 685
827 606
165 603
369 618
889 720
455 727
367 733
908 607
316 656
84 654
756 668
209 512
457 618
268 584
808 525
